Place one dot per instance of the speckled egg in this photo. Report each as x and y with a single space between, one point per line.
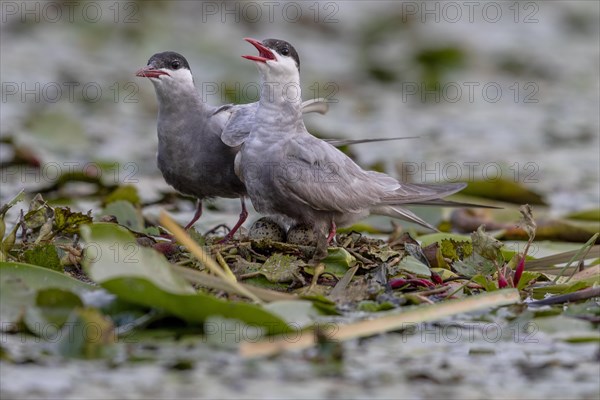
267 228
301 234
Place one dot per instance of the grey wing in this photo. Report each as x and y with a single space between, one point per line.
319 105
415 193
240 122
330 180
241 119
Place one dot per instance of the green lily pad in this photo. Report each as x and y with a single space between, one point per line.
52 310
560 288
444 273
488 284
297 313
87 334
41 278
474 265
586 215
503 190
127 193
428 239
526 278
19 283
126 214
338 261
145 278
414 266
567 328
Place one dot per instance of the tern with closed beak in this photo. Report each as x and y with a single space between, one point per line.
289 172
191 155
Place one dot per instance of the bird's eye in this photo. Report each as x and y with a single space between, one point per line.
175 64
285 51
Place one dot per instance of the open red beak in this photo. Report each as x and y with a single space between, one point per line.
264 53
149 72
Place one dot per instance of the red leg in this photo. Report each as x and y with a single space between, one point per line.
196 215
332 230
243 216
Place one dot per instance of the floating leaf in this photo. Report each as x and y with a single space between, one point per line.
486 245
444 273
503 190
322 303
297 313
338 261
434 256
560 288
474 265
373 306
484 281
52 309
428 239
586 215
526 278
281 268
42 278
126 214
5 207
19 283
557 230
143 276
127 193
567 328
68 222
44 255
39 212
456 250
87 334
412 265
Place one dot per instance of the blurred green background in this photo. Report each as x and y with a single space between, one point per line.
500 88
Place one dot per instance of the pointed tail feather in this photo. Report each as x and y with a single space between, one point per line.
411 193
403 214
348 142
450 203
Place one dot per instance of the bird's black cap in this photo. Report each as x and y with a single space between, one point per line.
169 60
284 48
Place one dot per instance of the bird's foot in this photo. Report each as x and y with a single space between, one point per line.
197 215
241 220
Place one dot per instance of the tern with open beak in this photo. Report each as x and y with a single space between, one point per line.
289 172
